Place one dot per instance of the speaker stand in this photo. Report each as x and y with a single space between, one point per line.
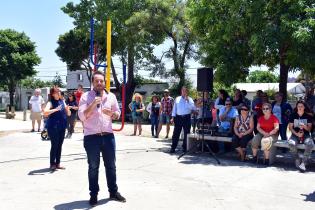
202 142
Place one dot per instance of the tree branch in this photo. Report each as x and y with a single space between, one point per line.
186 48
117 84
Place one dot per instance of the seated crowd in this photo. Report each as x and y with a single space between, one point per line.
259 122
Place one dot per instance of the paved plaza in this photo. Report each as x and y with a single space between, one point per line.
148 177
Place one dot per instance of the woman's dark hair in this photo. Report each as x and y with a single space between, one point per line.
306 108
73 96
244 92
225 95
157 98
53 90
240 92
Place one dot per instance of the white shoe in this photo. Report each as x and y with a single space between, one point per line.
297 162
302 167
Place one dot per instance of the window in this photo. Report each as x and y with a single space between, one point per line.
80 77
0 100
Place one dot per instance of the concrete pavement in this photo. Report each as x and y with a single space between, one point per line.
147 175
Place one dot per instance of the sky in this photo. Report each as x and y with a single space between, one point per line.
43 21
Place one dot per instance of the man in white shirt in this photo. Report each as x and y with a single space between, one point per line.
181 116
36 105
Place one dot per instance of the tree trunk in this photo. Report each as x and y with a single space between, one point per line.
284 72
11 92
130 86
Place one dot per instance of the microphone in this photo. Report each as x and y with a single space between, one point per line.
98 94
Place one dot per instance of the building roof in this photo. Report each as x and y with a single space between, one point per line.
294 88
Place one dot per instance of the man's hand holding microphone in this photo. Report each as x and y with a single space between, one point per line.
97 102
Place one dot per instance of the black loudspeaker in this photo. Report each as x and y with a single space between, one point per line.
205 79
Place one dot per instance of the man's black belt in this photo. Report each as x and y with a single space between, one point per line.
100 134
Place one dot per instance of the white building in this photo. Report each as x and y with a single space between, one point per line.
4 99
79 77
296 89
75 78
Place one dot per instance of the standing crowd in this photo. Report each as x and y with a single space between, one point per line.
259 122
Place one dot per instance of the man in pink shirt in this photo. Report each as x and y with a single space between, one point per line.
97 108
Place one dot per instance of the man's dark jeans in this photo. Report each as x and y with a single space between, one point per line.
56 135
181 122
94 145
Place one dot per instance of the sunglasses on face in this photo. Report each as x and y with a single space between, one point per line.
227 104
265 109
244 109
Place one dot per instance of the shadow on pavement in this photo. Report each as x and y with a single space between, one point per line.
42 171
80 156
309 197
230 159
84 204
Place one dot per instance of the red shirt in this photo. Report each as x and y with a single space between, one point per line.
268 125
78 95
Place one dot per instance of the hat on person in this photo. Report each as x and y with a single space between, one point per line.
266 143
166 91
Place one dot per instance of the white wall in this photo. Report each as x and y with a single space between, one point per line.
75 78
23 96
4 99
79 77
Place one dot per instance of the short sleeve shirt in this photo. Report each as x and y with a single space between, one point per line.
72 103
78 95
268 125
36 102
167 105
299 120
277 112
232 114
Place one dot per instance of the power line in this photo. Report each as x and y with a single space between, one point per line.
50 67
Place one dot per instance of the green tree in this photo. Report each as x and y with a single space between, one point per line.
129 44
233 35
262 77
167 18
58 81
73 48
33 83
17 59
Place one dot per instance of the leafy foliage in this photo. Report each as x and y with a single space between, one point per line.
262 77
233 35
167 18
17 59
58 81
33 83
128 43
